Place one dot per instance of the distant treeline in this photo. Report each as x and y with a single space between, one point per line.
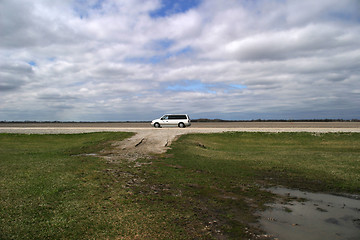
29 121
198 120
275 120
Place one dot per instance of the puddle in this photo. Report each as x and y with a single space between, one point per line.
320 216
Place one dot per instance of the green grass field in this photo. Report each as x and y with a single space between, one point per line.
323 162
208 186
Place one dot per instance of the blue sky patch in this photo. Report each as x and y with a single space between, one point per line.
82 7
198 86
190 86
184 50
344 16
160 57
162 44
170 7
146 60
236 86
32 63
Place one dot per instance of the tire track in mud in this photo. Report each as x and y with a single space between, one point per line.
145 143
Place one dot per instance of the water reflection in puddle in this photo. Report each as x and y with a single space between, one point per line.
320 216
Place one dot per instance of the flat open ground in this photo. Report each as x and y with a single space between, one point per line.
153 140
194 125
149 140
206 185
195 128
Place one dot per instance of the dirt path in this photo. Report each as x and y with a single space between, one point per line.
144 143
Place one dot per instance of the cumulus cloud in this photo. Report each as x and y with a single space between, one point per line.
133 60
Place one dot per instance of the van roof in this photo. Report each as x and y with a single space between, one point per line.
175 114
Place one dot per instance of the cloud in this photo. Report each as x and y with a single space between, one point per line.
300 42
14 76
134 60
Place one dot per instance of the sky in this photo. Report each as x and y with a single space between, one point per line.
125 60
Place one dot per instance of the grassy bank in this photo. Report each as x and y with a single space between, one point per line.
208 186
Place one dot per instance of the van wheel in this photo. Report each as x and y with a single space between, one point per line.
181 125
157 125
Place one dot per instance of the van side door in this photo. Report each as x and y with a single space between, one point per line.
164 120
173 120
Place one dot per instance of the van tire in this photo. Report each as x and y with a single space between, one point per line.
181 125
157 125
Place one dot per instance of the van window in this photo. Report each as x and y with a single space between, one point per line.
177 117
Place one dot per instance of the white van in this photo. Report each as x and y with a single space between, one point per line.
180 120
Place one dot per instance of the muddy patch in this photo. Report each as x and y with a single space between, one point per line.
312 216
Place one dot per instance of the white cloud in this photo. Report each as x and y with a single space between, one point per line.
110 60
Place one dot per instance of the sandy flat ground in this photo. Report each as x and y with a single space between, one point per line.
194 125
58 128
